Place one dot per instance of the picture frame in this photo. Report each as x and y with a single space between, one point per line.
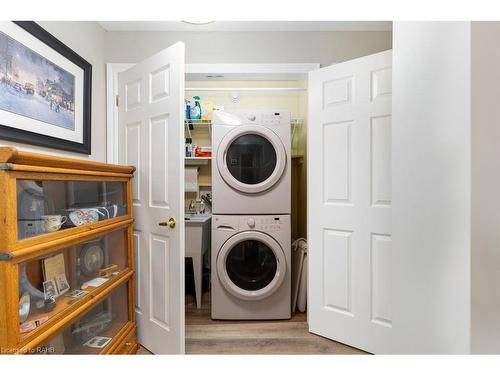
45 89
50 289
62 284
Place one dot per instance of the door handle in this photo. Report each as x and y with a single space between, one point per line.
170 223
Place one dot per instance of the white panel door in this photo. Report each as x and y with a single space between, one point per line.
349 202
150 131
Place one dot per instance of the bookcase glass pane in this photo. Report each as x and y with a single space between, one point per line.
51 285
91 333
45 206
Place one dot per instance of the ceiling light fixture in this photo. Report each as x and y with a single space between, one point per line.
198 21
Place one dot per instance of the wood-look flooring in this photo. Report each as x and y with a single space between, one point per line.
207 336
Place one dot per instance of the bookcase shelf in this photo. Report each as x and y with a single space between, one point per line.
67 272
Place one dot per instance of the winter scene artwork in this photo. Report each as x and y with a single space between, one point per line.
34 87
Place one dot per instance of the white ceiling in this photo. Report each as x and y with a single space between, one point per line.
248 26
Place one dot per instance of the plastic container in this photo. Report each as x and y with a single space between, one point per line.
203 152
206 110
188 109
189 147
196 109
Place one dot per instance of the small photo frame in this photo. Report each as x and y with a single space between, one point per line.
62 283
49 289
98 342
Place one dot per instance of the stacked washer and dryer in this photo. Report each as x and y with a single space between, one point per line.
251 190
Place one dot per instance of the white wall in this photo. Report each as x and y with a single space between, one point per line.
249 47
95 45
86 39
485 218
431 186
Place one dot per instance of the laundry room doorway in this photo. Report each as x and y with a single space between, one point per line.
260 87
223 323
262 91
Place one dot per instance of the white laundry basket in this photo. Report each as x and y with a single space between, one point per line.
299 274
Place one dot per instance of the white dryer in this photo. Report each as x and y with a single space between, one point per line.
251 267
251 169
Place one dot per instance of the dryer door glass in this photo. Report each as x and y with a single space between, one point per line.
251 265
251 159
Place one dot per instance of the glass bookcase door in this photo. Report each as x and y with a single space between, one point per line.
91 333
51 285
46 206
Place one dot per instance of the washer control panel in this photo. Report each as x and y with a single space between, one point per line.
263 223
251 222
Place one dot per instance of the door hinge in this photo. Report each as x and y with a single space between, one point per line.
117 100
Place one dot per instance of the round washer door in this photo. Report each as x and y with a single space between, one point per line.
251 265
251 158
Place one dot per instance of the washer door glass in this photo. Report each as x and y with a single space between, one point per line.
251 265
251 159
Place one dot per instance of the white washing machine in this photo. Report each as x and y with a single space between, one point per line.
251 169
251 267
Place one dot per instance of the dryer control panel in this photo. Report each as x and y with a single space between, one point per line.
245 117
274 118
262 223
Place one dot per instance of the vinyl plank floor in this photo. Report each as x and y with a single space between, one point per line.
207 336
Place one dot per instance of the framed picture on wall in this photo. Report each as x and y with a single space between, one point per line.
45 89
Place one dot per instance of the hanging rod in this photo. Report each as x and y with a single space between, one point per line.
272 89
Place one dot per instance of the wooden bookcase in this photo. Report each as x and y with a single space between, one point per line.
33 186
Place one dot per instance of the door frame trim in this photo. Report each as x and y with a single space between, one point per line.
252 71
112 70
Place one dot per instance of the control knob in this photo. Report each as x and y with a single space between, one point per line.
251 222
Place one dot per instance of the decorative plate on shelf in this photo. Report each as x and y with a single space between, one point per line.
91 258
24 307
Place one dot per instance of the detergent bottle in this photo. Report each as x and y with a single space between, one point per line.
196 109
188 109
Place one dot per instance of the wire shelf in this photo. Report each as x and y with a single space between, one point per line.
197 122
295 125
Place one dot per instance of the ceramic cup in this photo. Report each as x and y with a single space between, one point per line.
52 223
